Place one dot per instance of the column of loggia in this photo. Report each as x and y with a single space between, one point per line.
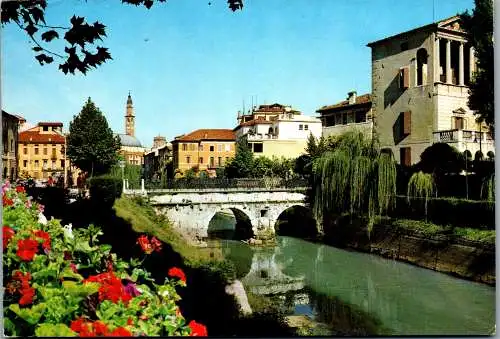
448 61
461 69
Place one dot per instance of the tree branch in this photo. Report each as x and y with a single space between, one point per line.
37 43
53 27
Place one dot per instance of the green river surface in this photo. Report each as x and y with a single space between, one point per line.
321 281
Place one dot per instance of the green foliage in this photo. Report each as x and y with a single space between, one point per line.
130 172
55 277
190 174
488 188
420 187
472 234
241 165
91 144
441 158
353 178
479 29
272 167
105 189
82 50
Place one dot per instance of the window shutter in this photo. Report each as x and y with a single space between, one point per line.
405 156
407 123
404 77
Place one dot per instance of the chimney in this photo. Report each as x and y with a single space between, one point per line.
351 96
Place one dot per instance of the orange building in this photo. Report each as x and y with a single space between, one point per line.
203 150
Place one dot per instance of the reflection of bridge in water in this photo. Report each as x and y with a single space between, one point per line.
266 277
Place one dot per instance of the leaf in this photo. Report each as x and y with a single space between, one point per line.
37 49
54 330
80 290
30 315
50 35
83 246
9 327
31 29
68 273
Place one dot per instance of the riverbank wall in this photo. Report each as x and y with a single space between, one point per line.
464 259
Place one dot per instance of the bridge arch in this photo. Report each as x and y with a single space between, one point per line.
296 221
230 223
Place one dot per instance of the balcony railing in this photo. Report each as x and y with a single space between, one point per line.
261 136
456 135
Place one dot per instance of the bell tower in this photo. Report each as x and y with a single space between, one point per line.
129 117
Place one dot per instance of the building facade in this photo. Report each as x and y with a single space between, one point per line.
131 149
10 137
420 93
42 151
156 160
277 131
203 150
353 113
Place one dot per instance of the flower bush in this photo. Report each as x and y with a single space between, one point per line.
62 282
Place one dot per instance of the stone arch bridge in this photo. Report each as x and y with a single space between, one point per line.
191 210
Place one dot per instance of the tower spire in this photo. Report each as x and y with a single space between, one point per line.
129 117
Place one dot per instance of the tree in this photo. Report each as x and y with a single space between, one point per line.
479 29
81 52
241 165
91 144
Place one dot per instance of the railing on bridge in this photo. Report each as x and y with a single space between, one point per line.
219 183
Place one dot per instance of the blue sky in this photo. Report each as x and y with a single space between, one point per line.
190 65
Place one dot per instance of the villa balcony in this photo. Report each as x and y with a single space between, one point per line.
260 136
463 140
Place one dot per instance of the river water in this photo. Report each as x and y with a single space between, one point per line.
357 293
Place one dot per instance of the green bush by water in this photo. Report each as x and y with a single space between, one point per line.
105 189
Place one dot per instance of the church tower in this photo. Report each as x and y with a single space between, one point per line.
129 117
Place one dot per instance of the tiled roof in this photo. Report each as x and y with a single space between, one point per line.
35 137
12 116
208 134
45 123
361 99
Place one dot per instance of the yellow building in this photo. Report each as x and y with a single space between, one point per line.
203 150
131 149
41 151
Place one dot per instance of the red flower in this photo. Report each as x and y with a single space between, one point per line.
120 332
145 245
20 189
156 244
46 238
197 330
77 325
130 322
27 295
23 278
100 328
73 268
111 287
8 233
26 249
177 272
6 201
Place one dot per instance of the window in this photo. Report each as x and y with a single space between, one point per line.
62 163
301 127
191 147
219 148
306 127
338 119
360 117
350 118
421 67
200 148
36 163
45 128
184 147
405 156
404 78
36 150
344 119
45 161
407 123
201 160
188 160
12 145
211 148
45 151
227 147
258 148
25 150
459 123
219 161
25 163
212 164
53 164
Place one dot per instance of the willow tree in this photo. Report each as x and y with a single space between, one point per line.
488 188
355 178
420 188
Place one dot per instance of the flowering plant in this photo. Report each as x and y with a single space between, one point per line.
62 282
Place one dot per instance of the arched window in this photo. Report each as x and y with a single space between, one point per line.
4 173
491 155
422 66
468 155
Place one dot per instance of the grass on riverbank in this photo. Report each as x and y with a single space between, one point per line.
428 229
143 219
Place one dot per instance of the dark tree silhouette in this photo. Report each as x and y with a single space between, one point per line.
82 51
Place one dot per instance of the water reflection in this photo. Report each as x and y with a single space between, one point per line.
343 287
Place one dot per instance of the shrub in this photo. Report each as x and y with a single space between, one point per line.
105 189
62 282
